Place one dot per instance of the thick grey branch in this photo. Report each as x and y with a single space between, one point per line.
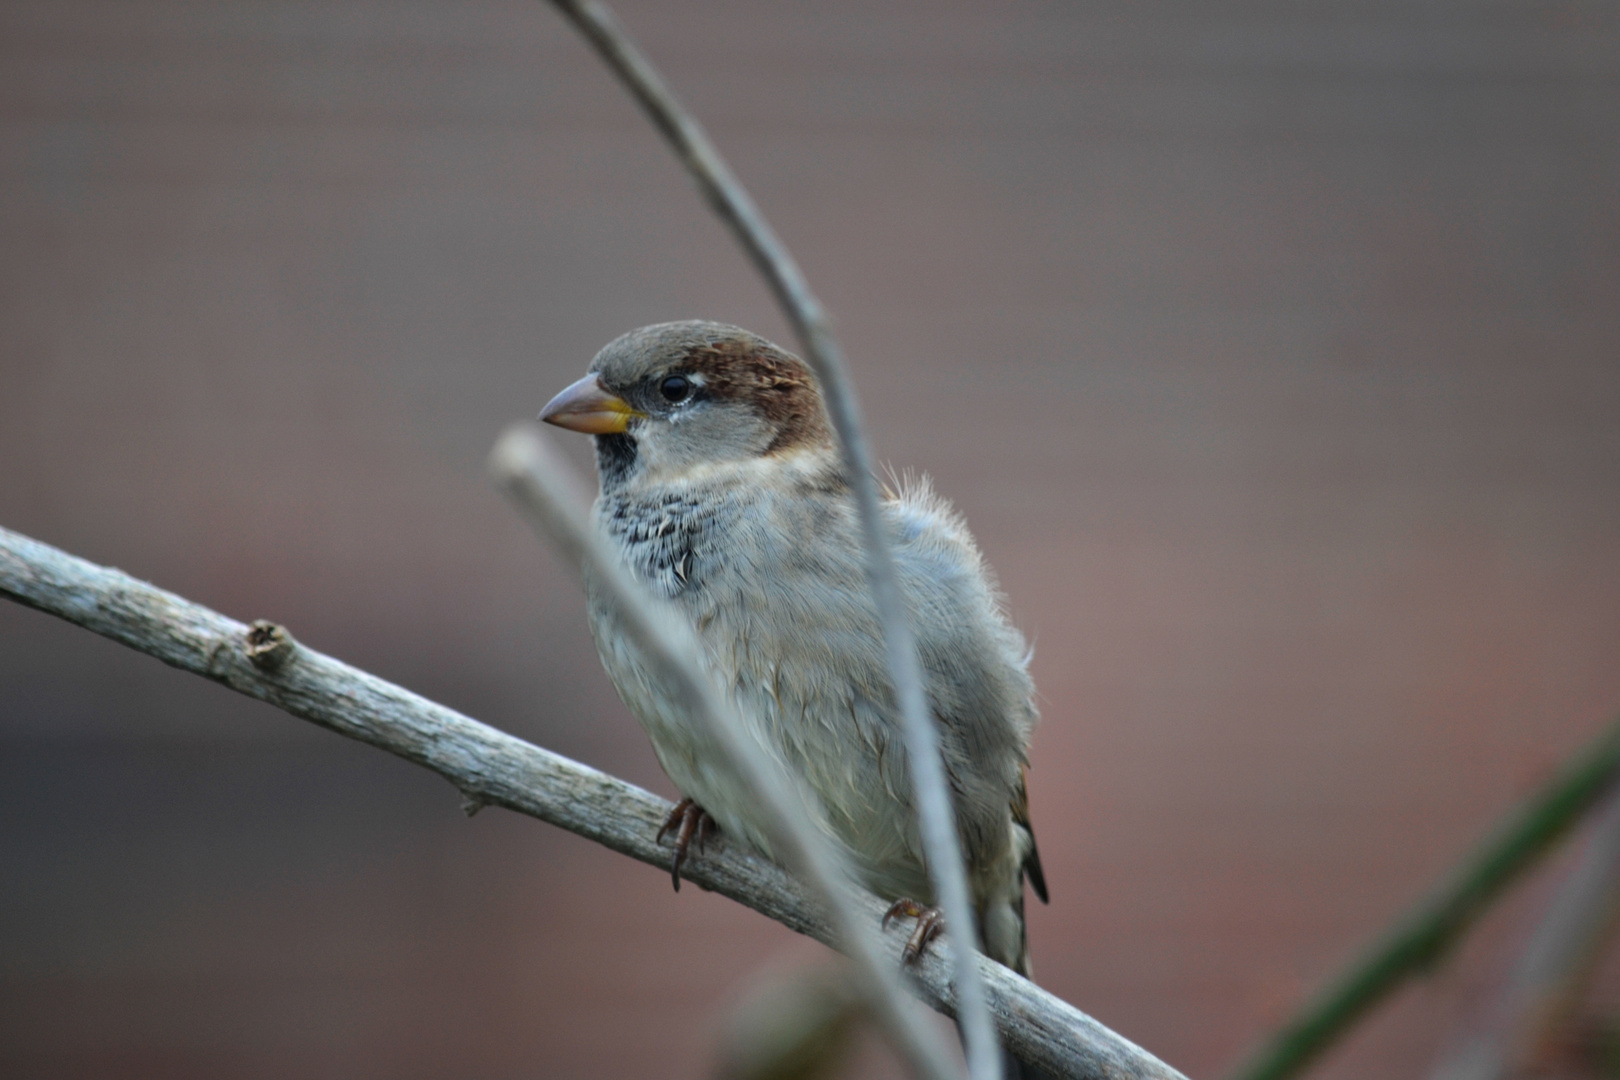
491 767
730 200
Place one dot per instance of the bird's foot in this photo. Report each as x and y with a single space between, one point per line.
687 821
930 922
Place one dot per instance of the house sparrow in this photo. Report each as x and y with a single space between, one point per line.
723 486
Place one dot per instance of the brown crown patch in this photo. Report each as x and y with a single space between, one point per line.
776 383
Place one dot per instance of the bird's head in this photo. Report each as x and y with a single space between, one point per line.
679 400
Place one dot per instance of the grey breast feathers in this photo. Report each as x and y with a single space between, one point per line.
774 584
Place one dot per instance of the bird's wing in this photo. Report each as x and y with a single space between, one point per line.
1032 861
977 666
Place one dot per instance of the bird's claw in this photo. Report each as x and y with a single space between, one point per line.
687 821
930 923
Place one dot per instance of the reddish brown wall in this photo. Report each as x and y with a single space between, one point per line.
1272 356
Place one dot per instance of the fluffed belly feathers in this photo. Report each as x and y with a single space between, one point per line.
776 594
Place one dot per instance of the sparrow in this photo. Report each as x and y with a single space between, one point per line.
724 490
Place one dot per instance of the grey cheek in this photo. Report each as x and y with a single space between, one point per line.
689 408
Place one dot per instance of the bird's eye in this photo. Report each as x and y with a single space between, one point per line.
675 388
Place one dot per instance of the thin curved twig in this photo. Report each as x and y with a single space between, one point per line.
491 767
804 312
1557 963
1423 936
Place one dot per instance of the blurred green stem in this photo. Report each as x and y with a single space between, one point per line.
1422 937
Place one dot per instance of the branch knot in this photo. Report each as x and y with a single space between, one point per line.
268 645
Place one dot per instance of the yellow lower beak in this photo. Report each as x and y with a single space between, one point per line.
587 407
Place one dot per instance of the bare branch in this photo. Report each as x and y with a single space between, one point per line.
492 768
1419 940
732 203
541 482
1556 963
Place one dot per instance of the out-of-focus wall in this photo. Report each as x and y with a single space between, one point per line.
1270 351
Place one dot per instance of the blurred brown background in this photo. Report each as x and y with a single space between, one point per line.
1270 350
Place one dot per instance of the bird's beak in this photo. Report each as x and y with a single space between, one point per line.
586 406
